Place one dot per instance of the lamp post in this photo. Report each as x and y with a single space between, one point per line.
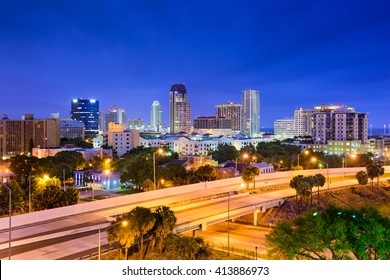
305 153
327 169
244 156
10 217
29 194
154 166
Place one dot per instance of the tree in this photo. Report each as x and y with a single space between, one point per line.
335 233
121 231
374 171
148 185
362 178
319 181
186 248
225 153
207 173
18 201
302 185
165 223
248 175
141 221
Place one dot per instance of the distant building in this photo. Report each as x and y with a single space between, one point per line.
97 179
180 110
88 154
156 117
212 123
71 129
304 122
339 123
137 124
116 127
284 128
21 136
123 142
230 111
115 114
196 161
86 111
250 118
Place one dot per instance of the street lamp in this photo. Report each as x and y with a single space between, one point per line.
10 215
306 152
244 156
345 162
159 151
327 168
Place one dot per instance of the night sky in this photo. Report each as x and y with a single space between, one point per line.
128 53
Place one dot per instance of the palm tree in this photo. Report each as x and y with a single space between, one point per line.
121 231
374 171
141 221
319 181
165 223
247 175
256 172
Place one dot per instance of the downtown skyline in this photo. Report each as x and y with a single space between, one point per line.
297 54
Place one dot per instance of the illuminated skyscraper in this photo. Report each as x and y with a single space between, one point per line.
86 111
230 111
250 119
180 111
115 114
156 116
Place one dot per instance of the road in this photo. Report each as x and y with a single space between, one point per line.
75 235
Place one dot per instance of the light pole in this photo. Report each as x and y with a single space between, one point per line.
305 153
29 194
327 169
159 151
244 156
10 216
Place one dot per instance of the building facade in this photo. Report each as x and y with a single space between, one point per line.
250 118
21 136
137 124
117 115
304 122
179 109
230 111
123 142
71 129
156 117
212 123
86 111
284 128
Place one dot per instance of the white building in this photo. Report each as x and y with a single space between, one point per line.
284 128
250 117
123 142
156 117
304 122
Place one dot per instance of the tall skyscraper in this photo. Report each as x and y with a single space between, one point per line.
180 111
230 111
156 116
86 111
250 118
115 114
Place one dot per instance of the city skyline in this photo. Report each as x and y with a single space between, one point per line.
298 54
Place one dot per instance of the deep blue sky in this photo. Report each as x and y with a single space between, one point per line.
297 53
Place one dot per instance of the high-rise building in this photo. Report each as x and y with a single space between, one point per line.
137 124
115 114
284 128
71 129
180 111
156 117
86 111
230 111
21 136
304 122
339 123
250 118
212 123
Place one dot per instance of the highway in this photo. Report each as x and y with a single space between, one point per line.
73 236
